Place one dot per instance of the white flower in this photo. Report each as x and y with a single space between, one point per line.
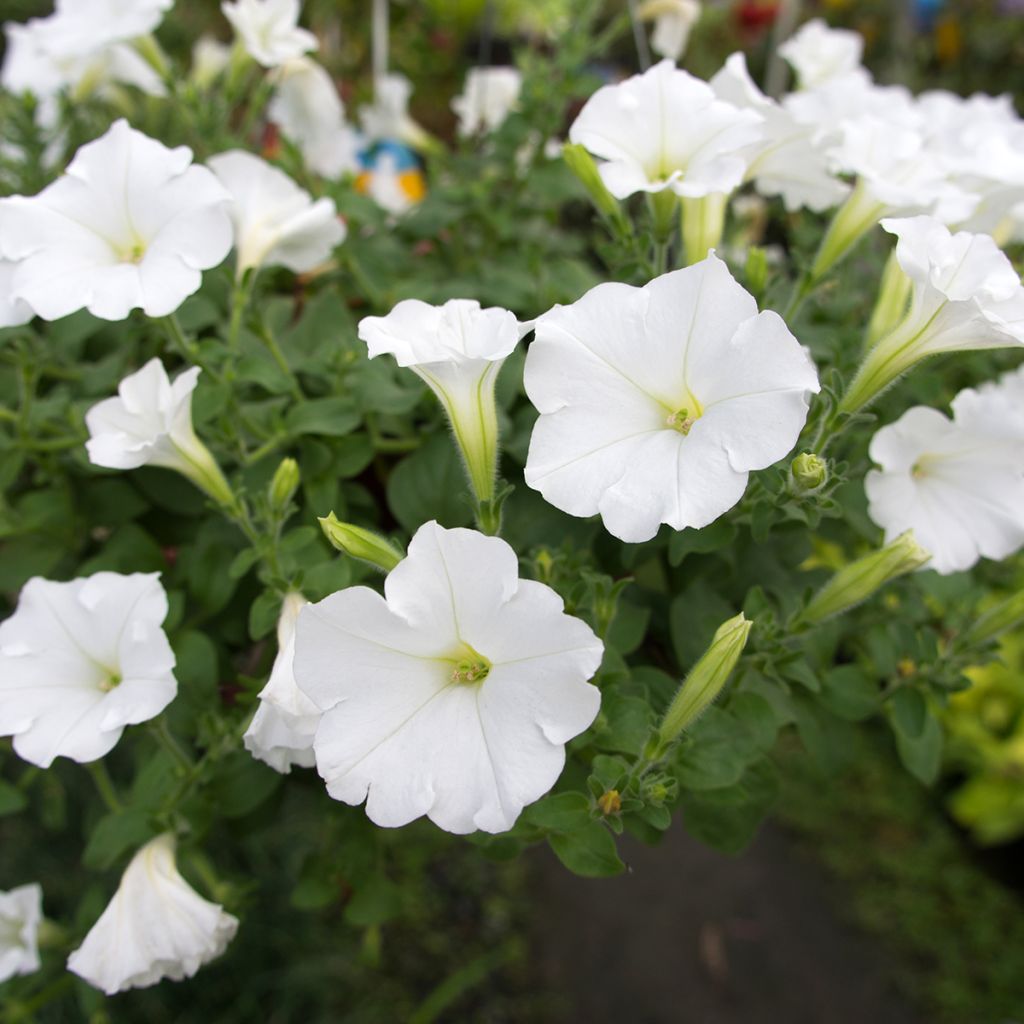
269 30
308 110
657 402
966 295
13 311
454 695
387 118
21 910
488 97
209 58
959 485
785 162
81 660
130 224
665 129
156 926
276 222
458 349
818 53
282 730
673 22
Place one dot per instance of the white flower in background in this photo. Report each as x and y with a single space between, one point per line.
282 730
21 911
453 695
307 109
657 402
818 53
101 21
156 926
673 23
785 161
489 95
386 183
665 129
81 660
458 349
387 118
209 58
130 224
13 312
149 423
269 30
966 295
276 222
958 484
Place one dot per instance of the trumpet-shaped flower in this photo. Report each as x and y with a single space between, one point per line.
81 660
454 694
657 402
130 224
21 910
665 129
156 926
458 349
282 730
966 295
818 53
958 484
488 97
276 222
673 23
149 423
269 30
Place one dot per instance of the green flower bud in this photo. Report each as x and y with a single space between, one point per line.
808 473
365 545
581 163
706 679
284 484
756 271
997 621
857 581
703 223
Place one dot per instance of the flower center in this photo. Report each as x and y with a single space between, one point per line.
107 683
131 252
682 420
469 666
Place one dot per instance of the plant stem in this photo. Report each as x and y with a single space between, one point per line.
105 786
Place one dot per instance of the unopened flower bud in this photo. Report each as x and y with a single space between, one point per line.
706 679
610 802
808 473
582 164
284 484
997 621
857 581
359 543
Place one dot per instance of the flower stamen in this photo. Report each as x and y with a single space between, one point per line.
681 420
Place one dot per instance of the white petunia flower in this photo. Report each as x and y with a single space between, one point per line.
488 97
665 129
282 730
959 485
131 224
156 926
21 911
209 58
269 30
673 23
458 349
657 402
453 695
276 222
81 660
387 118
818 53
13 312
966 295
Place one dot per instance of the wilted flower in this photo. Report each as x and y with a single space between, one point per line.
149 423
81 660
269 30
156 926
276 222
281 733
818 53
21 910
657 402
454 695
130 224
673 22
488 97
665 129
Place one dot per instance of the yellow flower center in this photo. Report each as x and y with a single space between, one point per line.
468 666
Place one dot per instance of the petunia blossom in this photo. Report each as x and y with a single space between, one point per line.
81 660
269 30
21 911
656 403
276 222
282 730
156 926
454 694
673 23
818 53
388 118
130 224
488 97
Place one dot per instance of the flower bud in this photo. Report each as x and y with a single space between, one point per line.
857 581
581 163
284 484
891 304
808 473
610 802
706 679
365 545
997 621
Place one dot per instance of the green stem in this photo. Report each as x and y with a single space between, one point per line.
267 337
105 786
166 740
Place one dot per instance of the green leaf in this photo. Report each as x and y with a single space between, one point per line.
690 541
909 712
242 784
922 754
849 693
377 900
114 834
625 724
264 613
430 484
560 812
12 799
588 851
332 417
314 893
728 819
